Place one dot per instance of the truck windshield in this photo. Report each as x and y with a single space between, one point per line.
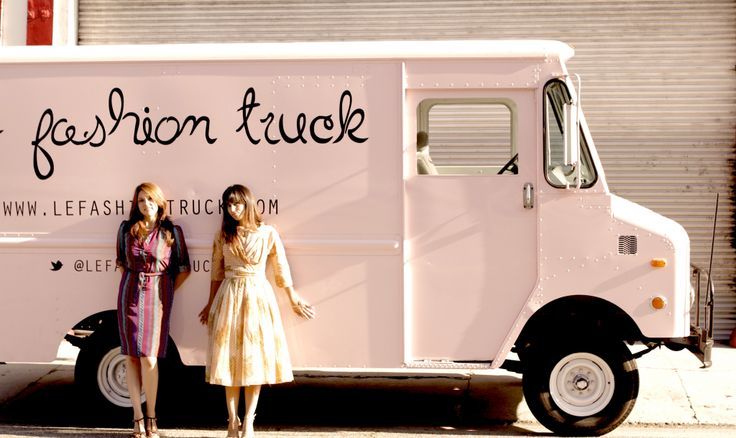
556 95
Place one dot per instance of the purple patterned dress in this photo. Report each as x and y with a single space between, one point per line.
147 289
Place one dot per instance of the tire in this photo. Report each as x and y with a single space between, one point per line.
101 371
583 391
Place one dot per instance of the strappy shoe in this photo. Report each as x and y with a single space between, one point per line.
139 428
151 428
233 428
248 426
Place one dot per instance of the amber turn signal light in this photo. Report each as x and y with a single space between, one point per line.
659 263
659 303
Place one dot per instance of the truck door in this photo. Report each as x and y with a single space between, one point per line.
470 223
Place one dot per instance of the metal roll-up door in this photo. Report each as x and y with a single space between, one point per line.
659 86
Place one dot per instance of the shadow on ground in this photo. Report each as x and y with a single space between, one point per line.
447 404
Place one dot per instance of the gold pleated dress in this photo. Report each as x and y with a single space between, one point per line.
247 343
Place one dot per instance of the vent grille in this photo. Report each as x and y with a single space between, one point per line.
627 245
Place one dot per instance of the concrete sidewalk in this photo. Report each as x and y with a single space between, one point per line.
674 389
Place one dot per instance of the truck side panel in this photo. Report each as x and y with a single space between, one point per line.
318 142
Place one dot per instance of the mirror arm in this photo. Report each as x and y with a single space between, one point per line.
577 130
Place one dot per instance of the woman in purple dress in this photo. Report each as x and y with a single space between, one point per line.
152 254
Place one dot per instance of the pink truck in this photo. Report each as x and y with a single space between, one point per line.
442 204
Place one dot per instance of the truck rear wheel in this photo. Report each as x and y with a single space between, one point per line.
584 391
101 371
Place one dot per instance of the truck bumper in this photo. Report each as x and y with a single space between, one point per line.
700 341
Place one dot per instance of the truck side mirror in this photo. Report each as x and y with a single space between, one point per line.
571 137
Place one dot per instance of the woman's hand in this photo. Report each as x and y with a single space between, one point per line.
303 309
204 315
299 306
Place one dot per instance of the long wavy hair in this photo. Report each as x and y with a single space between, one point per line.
251 218
135 222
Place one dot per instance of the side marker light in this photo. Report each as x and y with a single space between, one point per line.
658 263
659 303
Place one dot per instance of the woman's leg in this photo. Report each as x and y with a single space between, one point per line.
251 403
149 372
232 400
133 377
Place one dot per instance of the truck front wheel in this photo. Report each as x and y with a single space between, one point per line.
584 391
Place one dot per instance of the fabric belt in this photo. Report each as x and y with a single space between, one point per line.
146 274
241 274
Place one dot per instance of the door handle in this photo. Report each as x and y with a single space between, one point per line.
528 195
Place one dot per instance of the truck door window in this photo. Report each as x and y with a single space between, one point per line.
556 95
466 137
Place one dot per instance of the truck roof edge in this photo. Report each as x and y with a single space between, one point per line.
343 50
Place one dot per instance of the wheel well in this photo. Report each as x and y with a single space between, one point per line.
101 323
579 317
105 323
106 319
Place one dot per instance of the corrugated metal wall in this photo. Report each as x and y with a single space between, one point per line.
659 80
470 135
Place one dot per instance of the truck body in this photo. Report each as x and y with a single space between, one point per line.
442 205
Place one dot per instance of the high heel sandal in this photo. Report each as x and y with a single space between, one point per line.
151 428
141 426
248 426
233 428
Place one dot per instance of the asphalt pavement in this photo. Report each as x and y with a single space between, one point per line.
41 400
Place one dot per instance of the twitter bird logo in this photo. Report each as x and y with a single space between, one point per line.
55 266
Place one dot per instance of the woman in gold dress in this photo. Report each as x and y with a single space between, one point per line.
247 345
